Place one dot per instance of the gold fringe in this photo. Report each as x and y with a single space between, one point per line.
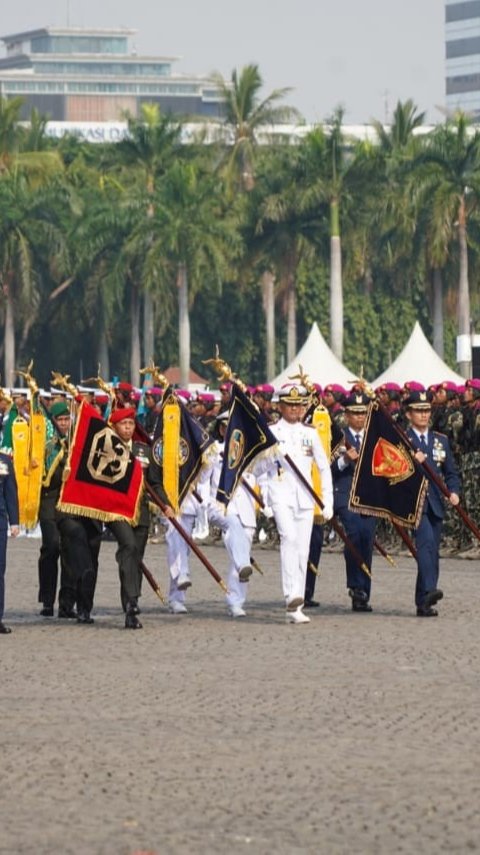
95 513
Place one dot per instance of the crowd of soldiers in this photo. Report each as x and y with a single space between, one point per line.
70 544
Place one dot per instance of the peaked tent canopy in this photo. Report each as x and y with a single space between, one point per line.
418 361
318 361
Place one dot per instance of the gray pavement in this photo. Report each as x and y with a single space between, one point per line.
357 733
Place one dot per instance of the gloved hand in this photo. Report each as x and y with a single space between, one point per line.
327 512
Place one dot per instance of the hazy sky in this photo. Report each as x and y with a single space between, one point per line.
364 54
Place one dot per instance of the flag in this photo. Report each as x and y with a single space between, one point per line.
103 480
247 435
386 482
179 443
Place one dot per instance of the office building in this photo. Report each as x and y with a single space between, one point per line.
95 75
462 42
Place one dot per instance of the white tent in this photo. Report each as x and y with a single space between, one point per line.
318 361
418 361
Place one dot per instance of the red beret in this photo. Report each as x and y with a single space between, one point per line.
122 413
123 386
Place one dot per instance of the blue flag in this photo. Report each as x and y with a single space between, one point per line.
247 436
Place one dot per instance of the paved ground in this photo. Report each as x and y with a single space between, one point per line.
200 734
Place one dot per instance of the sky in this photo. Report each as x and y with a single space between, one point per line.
362 54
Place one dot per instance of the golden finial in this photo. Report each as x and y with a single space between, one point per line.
157 375
101 383
62 381
303 379
27 375
222 369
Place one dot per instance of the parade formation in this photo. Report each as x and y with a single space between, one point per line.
360 467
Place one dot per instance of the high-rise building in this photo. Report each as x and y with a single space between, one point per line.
87 75
462 37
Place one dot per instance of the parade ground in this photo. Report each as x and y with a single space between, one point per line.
356 733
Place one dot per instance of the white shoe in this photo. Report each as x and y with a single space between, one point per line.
244 573
236 611
294 604
296 617
177 608
183 582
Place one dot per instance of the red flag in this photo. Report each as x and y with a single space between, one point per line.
104 480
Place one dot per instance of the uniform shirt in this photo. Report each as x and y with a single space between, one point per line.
282 486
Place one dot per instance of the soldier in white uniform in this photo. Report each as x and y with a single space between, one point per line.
234 524
290 501
238 523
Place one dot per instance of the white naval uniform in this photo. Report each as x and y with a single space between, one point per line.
238 525
178 550
290 501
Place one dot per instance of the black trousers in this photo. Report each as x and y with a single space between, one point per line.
80 539
50 553
316 543
131 548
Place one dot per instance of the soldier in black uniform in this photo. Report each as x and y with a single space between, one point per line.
50 550
131 539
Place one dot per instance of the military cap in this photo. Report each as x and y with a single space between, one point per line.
58 409
335 389
419 400
222 417
356 402
291 393
122 413
474 384
265 390
183 393
123 386
413 386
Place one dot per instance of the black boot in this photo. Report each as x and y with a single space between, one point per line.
131 619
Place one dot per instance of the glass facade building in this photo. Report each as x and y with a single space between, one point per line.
74 74
462 47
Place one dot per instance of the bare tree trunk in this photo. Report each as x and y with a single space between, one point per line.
148 328
9 336
291 320
465 352
268 300
103 356
135 336
437 312
336 297
183 325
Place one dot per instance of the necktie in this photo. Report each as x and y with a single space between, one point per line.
423 444
357 441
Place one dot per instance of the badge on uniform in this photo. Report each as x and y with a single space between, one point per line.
4 469
307 446
439 454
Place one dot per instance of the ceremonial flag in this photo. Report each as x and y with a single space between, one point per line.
179 443
104 480
386 482
247 435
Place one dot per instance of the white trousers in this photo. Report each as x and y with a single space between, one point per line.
237 591
178 552
294 527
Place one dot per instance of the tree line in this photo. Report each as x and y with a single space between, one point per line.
112 254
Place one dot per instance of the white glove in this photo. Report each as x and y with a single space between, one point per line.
327 512
267 512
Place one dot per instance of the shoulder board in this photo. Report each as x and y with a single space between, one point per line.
442 435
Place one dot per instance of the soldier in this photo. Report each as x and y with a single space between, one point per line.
50 551
469 446
132 539
359 528
432 447
290 501
262 396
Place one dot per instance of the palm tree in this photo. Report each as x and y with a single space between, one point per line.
192 241
246 113
449 170
152 143
338 173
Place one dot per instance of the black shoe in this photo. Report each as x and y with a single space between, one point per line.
131 620
67 613
84 617
47 611
311 604
431 598
4 630
422 611
359 600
